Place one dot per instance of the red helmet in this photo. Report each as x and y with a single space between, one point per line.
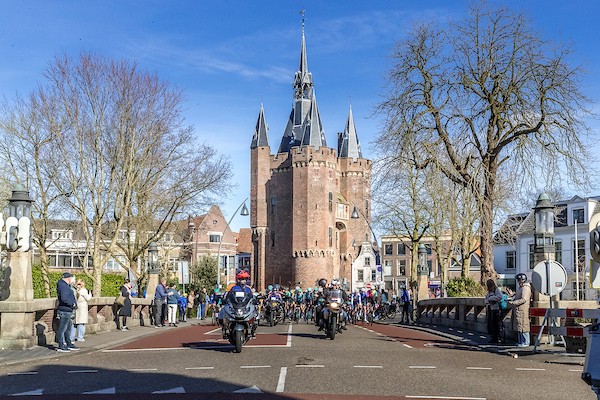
243 275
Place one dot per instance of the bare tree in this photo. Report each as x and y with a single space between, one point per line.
484 99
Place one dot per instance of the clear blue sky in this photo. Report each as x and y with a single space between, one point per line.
228 56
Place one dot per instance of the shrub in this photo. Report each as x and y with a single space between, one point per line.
464 287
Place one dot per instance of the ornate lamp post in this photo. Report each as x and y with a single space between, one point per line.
544 228
422 269
153 270
244 212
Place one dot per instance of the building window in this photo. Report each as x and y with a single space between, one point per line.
388 249
402 267
368 261
167 237
531 256
558 252
330 236
212 238
578 216
62 234
580 255
360 275
373 275
428 248
273 205
272 238
330 202
367 208
401 249
511 260
387 267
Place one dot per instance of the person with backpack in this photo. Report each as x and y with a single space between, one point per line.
493 298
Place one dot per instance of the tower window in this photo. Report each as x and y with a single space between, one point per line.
330 237
273 238
330 202
273 205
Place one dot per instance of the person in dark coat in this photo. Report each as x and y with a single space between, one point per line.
64 311
125 310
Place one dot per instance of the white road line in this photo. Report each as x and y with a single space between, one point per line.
200 368
82 371
575 370
368 366
289 337
445 398
153 349
422 366
281 381
478 368
23 373
214 330
530 369
141 369
254 366
309 366
407 345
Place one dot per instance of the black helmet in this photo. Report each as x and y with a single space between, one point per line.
521 277
322 282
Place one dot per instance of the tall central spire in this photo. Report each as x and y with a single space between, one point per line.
304 127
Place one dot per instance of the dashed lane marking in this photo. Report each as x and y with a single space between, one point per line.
530 369
23 373
575 370
422 367
141 369
254 366
445 398
201 368
477 368
82 371
281 381
407 345
368 366
309 366
289 337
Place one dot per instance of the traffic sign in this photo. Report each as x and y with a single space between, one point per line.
378 279
379 269
558 277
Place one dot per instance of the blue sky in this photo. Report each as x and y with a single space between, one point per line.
228 56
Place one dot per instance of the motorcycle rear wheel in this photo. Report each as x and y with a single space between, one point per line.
238 341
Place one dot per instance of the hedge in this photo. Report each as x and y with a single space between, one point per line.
464 287
110 282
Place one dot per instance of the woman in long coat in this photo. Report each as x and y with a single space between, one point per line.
125 310
82 315
520 304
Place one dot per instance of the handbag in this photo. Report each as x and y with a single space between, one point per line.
120 300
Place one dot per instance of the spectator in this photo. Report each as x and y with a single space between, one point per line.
81 315
202 301
520 304
406 314
181 306
64 311
160 299
172 299
125 310
492 300
191 300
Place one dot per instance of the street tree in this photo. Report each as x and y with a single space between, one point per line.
487 99
204 272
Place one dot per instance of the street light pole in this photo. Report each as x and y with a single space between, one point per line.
244 212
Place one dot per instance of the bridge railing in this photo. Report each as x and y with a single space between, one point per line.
101 311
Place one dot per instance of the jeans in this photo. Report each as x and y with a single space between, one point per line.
77 331
63 335
202 310
524 338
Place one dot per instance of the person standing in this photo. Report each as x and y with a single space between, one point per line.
82 315
405 298
125 310
202 300
64 311
492 300
160 299
520 305
190 303
172 300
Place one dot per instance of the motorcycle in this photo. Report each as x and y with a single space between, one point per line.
274 310
239 318
332 314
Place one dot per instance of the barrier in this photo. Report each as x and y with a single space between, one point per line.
563 313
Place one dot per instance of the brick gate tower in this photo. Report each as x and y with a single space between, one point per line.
310 205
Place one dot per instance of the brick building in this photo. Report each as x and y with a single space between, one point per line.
303 197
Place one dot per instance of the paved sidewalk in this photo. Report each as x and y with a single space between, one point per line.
555 354
92 342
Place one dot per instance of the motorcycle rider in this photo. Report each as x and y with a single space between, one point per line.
335 285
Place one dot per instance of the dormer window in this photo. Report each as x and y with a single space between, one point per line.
578 215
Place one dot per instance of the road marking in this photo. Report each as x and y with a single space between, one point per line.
200 368
82 371
530 369
478 368
251 389
407 345
289 337
213 331
422 366
111 390
142 349
470 334
281 381
36 392
255 366
482 337
23 373
368 366
141 369
445 398
309 366
178 389
575 370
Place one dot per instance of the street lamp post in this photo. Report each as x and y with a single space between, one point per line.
544 238
244 212
421 270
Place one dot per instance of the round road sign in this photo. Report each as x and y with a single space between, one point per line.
558 278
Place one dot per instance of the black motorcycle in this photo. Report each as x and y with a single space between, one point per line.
274 313
332 314
239 318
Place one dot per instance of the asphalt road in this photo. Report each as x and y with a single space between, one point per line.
294 361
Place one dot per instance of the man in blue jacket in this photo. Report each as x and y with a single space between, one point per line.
160 299
66 306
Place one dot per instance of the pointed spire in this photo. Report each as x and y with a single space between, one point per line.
313 133
260 138
348 144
